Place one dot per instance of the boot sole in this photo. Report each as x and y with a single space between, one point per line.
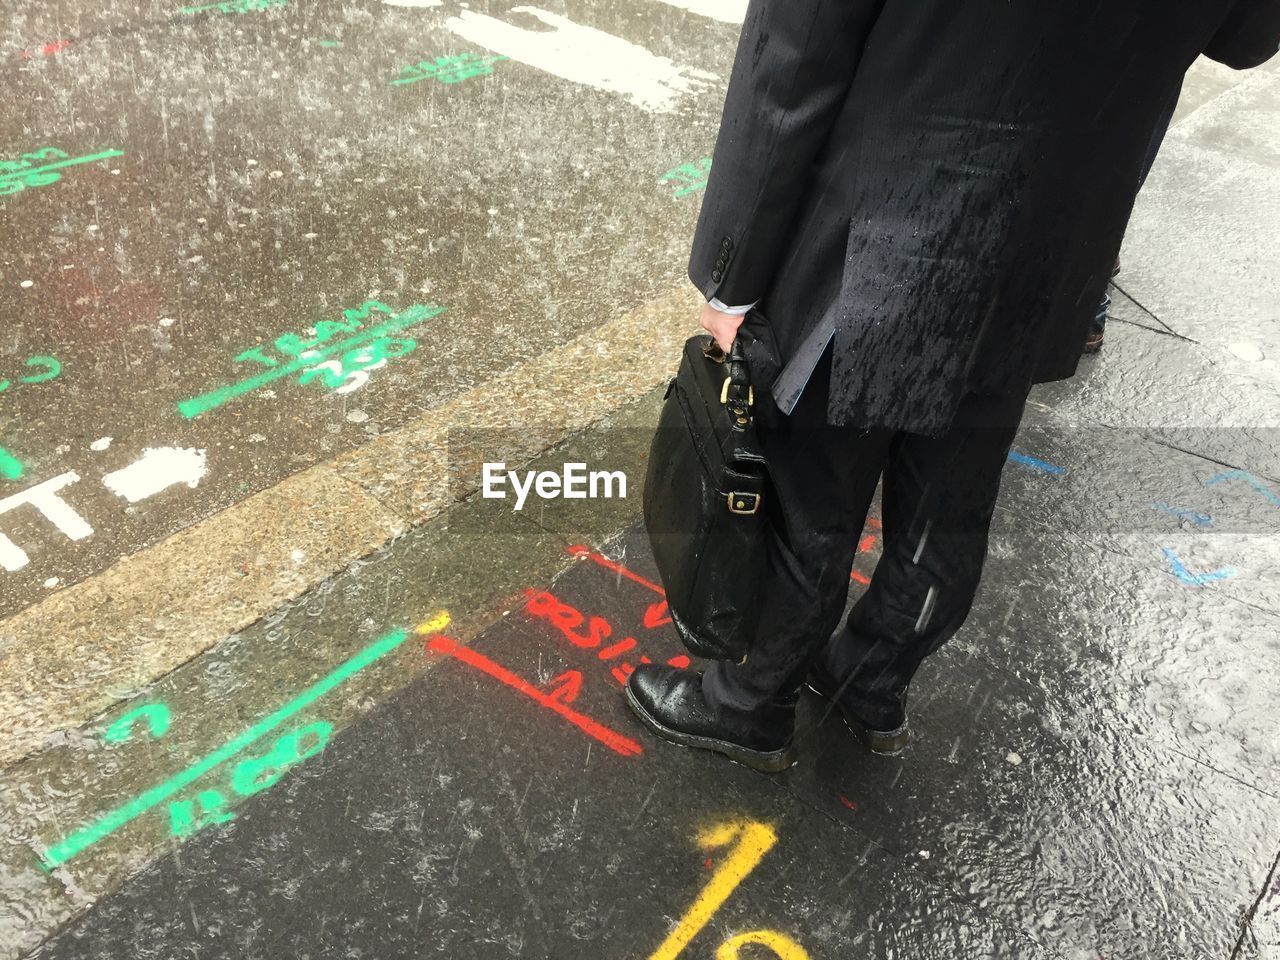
766 761
886 743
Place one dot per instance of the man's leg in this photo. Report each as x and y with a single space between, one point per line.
821 482
939 497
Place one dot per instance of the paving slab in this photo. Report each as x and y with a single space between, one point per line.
1210 527
1261 937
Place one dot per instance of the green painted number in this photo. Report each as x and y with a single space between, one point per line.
183 821
51 369
254 776
255 353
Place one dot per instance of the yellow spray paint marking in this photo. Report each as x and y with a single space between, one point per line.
754 840
435 624
779 943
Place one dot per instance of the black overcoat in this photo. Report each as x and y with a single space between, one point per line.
941 186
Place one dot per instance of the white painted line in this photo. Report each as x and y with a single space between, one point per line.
44 497
157 469
726 11
585 55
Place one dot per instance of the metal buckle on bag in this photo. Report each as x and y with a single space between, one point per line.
744 504
724 393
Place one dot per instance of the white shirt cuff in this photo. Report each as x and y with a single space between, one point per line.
716 304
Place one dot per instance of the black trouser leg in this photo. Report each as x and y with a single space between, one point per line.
938 500
821 483
939 495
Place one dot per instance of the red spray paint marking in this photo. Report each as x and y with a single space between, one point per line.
656 614
566 687
49 49
566 618
610 738
865 545
602 560
848 803
617 649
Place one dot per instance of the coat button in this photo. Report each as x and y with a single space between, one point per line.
716 275
726 243
720 263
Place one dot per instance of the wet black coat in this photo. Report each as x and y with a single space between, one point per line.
941 185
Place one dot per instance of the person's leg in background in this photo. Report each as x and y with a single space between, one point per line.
822 481
938 500
1098 329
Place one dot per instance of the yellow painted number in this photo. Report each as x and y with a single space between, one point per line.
751 841
779 943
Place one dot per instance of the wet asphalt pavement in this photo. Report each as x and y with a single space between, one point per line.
425 753
238 178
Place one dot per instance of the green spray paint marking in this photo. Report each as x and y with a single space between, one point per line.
448 69
17 175
688 177
183 821
51 369
329 44
415 314
236 6
84 838
10 466
249 777
156 716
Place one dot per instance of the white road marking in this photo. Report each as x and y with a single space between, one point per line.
727 11
585 55
157 469
44 497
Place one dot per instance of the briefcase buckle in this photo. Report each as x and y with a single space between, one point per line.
743 504
724 393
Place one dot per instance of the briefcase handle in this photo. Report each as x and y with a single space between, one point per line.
737 382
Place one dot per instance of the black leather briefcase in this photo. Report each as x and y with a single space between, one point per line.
703 497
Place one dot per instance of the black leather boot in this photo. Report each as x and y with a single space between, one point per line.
669 701
887 738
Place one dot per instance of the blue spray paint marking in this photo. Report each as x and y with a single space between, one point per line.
1034 463
1182 513
1195 579
1247 477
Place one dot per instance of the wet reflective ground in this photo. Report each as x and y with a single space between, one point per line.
256 701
